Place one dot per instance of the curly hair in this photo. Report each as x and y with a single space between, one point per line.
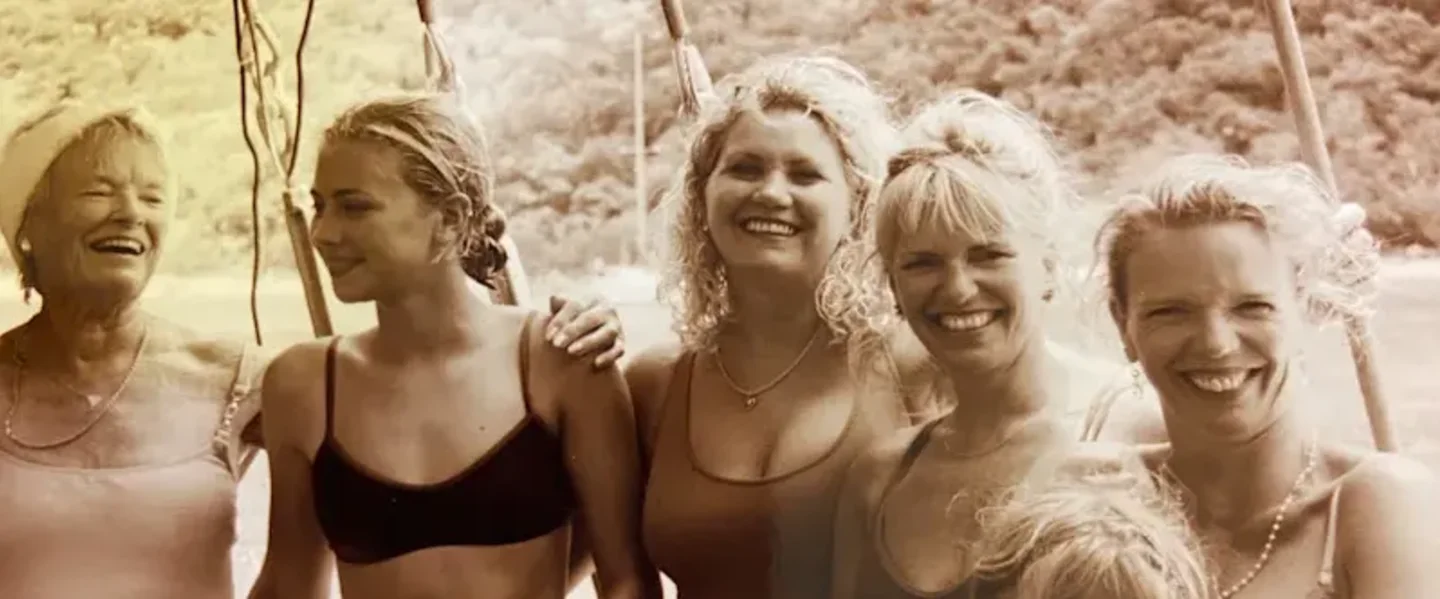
855 116
446 160
1081 538
1332 265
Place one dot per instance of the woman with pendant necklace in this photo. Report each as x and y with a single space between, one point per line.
748 424
1212 273
123 433
968 238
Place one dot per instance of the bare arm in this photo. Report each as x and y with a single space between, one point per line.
1389 539
597 427
648 379
297 562
582 563
646 376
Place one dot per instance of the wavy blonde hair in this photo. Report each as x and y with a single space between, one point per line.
1091 537
1332 267
854 114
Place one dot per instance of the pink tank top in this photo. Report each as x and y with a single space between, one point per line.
160 531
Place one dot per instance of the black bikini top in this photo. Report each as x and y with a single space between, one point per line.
517 491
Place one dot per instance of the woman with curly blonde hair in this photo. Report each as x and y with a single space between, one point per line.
1214 272
1111 537
972 242
749 422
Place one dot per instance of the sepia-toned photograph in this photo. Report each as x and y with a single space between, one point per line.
720 299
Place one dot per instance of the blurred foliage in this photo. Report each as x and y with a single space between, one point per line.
1124 83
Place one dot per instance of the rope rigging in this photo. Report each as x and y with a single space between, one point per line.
279 131
282 143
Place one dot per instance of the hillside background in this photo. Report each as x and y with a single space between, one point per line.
1125 82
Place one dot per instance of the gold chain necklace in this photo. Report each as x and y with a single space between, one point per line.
752 396
95 411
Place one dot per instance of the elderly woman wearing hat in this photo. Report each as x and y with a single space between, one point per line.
121 439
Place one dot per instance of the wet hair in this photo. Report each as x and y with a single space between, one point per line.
122 125
445 159
1083 538
852 112
1285 202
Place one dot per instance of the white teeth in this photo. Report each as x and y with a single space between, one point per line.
968 321
119 244
768 227
1215 383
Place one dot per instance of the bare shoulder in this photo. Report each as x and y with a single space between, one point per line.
552 364
1387 481
1386 516
193 354
292 394
558 381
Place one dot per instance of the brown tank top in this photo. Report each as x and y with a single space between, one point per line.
158 531
760 540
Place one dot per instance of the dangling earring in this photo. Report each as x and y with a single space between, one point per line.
1136 389
27 268
1048 295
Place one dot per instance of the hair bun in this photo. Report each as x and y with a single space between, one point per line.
487 257
961 143
492 223
950 142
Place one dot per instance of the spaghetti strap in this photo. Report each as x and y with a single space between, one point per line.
525 361
330 387
676 391
1098 412
1326 578
912 453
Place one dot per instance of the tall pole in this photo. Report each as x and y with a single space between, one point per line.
1312 149
642 204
